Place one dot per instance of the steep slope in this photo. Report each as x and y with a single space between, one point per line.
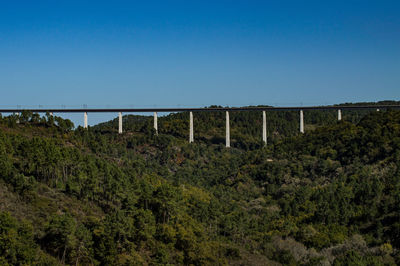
91 196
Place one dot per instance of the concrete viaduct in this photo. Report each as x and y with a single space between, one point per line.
262 109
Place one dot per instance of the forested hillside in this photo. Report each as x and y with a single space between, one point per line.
95 197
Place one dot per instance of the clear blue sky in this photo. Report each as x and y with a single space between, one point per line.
197 53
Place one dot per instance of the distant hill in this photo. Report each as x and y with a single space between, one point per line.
246 126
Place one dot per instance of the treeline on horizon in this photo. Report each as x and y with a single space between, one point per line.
245 126
330 196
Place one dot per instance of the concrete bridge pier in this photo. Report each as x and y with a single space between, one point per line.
85 123
155 123
19 115
191 138
120 123
301 122
228 141
264 132
339 114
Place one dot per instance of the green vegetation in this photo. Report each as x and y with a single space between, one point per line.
94 197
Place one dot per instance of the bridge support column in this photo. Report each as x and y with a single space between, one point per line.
264 132
85 123
339 114
155 123
228 141
120 123
301 122
191 138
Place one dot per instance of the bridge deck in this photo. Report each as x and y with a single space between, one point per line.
213 109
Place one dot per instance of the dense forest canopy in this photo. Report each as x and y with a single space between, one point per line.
330 196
